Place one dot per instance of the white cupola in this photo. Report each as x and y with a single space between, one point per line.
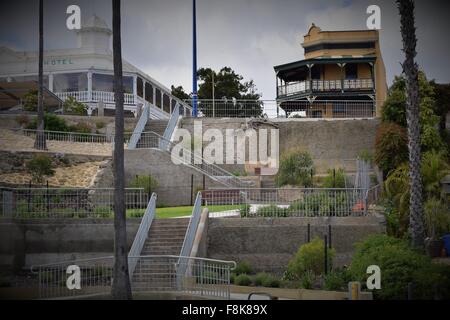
95 34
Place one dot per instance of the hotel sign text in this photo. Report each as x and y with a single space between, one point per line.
58 61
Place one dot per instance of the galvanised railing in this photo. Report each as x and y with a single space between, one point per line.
142 234
316 85
153 140
140 126
63 203
153 274
70 136
284 108
189 238
290 202
171 125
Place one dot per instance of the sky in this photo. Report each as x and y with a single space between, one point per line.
250 36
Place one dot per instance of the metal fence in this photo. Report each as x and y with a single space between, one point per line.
153 274
290 202
70 136
24 203
327 109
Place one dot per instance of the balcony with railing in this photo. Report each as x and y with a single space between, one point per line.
96 96
325 86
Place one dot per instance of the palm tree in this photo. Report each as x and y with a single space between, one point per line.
40 142
121 288
410 68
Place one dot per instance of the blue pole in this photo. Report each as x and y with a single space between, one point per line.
194 61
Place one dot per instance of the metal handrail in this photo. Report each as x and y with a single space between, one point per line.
171 125
140 126
141 234
198 163
189 238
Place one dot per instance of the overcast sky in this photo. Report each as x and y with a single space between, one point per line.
250 36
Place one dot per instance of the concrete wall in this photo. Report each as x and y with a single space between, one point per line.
174 181
331 143
269 244
24 243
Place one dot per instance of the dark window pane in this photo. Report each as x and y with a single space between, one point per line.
166 103
351 71
102 82
128 85
140 87
158 98
69 82
148 92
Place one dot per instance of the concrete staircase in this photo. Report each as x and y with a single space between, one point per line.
157 126
165 237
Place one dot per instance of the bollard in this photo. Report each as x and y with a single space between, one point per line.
354 290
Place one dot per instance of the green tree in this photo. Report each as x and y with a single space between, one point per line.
180 93
391 146
394 110
121 287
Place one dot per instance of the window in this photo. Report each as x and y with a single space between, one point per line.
158 98
315 72
148 92
140 87
102 82
338 107
70 82
351 71
174 104
166 103
105 82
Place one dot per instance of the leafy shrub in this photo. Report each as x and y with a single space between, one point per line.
399 264
391 146
307 280
232 278
39 167
434 168
272 211
322 203
335 281
259 279
81 127
243 267
51 122
437 218
23 120
103 211
149 183
334 179
310 257
296 169
135 213
100 124
244 210
30 101
271 282
71 105
242 280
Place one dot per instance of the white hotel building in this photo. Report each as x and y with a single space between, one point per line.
86 73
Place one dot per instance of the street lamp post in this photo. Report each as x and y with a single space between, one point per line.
194 60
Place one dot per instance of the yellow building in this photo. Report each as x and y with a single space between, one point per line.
342 75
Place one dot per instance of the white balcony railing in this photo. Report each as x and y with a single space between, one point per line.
105 96
325 85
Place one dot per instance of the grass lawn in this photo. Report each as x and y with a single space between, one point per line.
173 212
